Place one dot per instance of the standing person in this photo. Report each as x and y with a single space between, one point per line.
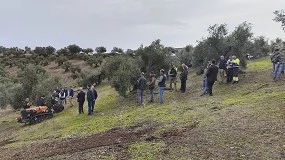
278 60
90 99
222 68
173 77
26 103
236 63
212 74
161 85
81 100
151 86
141 88
205 83
230 70
41 101
66 94
95 98
183 78
62 97
71 95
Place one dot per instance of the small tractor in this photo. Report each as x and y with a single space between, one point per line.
38 114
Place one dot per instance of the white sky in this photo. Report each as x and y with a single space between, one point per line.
128 23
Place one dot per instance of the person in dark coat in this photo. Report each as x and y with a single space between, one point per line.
90 99
212 74
141 88
95 98
183 78
41 101
81 100
71 95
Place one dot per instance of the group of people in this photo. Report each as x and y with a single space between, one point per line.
92 96
63 94
278 61
143 83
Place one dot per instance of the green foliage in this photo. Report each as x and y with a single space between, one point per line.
73 50
185 56
118 50
63 52
66 66
75 68
280 17
155 57
60 60
90 78
122 73
87 50
45 87
259 47
101 50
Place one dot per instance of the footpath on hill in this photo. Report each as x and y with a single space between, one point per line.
244 121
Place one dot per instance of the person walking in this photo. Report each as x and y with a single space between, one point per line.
95 98
71 95
151 86
141 85
80 100
161 85
183 78
222 68
230 70
212 74
90 100
236 63
173 77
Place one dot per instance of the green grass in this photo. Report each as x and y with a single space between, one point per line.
180 110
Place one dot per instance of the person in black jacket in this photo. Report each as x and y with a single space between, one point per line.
95 98
81 100
90 99
183 78
222 68
212 74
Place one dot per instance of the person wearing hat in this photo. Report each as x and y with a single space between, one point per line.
161 85
141 85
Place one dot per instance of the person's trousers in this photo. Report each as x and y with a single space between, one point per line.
151 92
140 96
210 86
93 105
183 86
80 106
173 80
205 85
161 94
235 74
230 75
273 67
90 106
70 101
222 74
278 70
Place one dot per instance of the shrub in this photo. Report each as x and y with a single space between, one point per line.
60 60
66 66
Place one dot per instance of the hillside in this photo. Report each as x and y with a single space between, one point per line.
245 121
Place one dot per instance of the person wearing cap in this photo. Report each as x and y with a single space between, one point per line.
151 86
212 74
183 78
279 60
141 85
161 85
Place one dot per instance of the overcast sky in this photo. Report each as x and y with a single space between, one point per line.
128 23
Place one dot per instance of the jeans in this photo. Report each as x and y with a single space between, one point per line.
278 70
151 92
161 94
140 96
90 106
205 85
273 67
210 85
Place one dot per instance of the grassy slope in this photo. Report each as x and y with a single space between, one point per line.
242 121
